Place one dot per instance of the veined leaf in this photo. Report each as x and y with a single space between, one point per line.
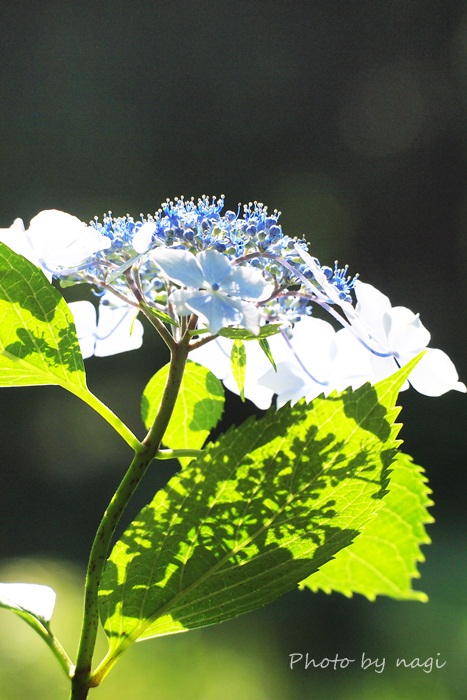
264 345
257 512
38 343
383 559
197 410
36 346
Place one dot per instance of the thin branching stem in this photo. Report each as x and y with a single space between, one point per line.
82 680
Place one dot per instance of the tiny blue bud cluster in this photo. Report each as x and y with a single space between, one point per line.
340 280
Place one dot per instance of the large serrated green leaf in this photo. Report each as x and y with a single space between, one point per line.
383 559
38 343
260 510
198 408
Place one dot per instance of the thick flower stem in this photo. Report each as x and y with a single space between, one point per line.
82 680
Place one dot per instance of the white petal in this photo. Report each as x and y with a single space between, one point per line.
218 310
251 316
371 307
246 283
406 333
313 265
215 266
84 315
351 364
214 355
142 239
62 240
303 363
36 599
118 330
289 382
16 239
435 374
181 266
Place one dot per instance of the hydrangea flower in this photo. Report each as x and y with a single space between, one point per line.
214 289
117 329
54 241
399 334
311 359
231 269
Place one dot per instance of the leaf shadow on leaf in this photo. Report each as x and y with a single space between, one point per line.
61 354
202 409
375 421
13 290
261 510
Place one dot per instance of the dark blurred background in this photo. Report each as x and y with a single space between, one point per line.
350 118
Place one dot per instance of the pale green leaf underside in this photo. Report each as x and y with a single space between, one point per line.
383 559
259 511
197 410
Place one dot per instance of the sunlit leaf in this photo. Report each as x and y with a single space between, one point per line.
383 559
197 410
243 334
238 365
264 345
257 512
38 343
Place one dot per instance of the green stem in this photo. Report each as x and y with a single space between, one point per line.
144 455
42 628
60 654
107 414
177 454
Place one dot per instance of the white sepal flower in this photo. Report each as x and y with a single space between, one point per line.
213 289
308 363
396 335
54 241
142 240
117 330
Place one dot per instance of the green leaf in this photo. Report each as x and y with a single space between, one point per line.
162 316
198 408
38 343
34 604
264 345
383 559
257 512
243 334
36 346
238 365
